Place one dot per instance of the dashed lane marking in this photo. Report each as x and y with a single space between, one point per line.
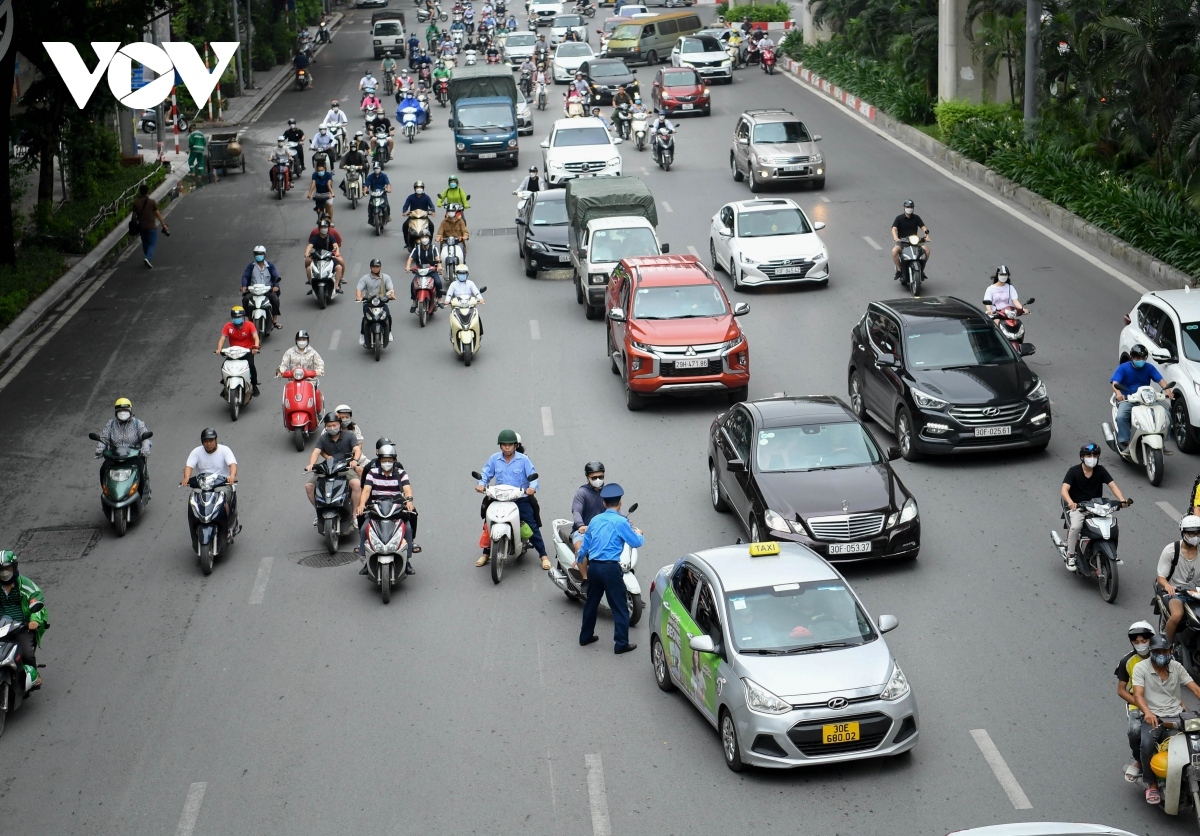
692 250
191 809
335 339
535 330
1169 510
1000 769
667 207
824 199
547 421
866 238
597 796
260 580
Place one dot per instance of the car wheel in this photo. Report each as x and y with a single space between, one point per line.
1185 435
612 361
736 275
714 490
905 436
738 395
712 254
755 531
591 311
737 174
730 746
858 404
658 658
755 186
651 58
819 184
520 248
633 401
579 295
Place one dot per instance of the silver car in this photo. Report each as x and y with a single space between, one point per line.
773 146
771 645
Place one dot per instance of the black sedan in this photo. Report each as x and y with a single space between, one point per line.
542 232
936 372
607 75
804 469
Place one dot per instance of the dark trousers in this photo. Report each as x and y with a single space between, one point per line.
253 370
272 295
606 578
1150 740
27 647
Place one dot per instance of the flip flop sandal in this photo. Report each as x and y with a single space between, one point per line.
1132 773
545 564
416 549
1152 796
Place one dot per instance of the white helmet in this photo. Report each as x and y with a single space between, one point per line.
1190 524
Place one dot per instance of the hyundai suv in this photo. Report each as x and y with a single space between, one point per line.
773 146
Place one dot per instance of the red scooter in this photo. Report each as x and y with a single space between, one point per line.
768 60
426 294
303 404
443 91
1008 323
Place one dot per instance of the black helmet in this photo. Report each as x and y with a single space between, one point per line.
1089 449
382 441
533 169
593 467
1159 642
1139 351
331 418
208 434
376 262
291 121
908 204
1003 270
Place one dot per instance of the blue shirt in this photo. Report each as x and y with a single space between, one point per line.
418 201
1129 378
377 180
249 271
324 181
515 473
606 536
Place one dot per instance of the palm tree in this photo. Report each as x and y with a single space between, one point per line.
1001 39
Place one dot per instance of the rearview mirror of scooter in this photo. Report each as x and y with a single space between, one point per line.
632 508
533 477
94 436
483 289
476 474
36 607
147 434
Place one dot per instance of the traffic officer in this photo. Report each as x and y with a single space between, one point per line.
606 536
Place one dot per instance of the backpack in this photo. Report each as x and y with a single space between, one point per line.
135 220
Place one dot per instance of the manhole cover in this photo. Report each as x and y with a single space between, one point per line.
62 543
325 560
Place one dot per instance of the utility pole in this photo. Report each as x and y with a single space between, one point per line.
237 31
159 129
1033 26
249 55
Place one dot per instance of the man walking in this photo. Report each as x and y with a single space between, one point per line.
606 536
145 212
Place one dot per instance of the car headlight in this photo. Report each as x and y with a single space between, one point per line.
639 346
745 259
1039 392
597 278
536 246
817 159
907 512
762 701
927 401
897 686
614 162
554 164
460 146
729 345
775 521
726 62
512 143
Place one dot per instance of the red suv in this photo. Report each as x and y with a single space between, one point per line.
680 90
672 331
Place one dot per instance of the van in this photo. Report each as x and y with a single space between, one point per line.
651 39
388 36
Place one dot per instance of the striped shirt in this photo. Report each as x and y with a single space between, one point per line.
10 604
386 485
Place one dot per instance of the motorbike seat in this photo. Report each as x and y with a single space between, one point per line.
564 532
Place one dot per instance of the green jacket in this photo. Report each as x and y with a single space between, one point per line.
454 196
31 592
197 141
441 72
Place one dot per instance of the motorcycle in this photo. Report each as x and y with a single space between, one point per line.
338 132
122 473
235 379
418 222
734 51
542 98
377 211
148 122
323 36
212 529
470 57
586 9
452 255
423 100
424 75
389 543
321 277
408 122
389 81
567 578
426 294
303 79
1096 555
664 148
1008 323
1150 422
260 309
303 404
16 677
381 153
456 36
334 514
623 121
573 106
354 185
768 60
532 25
493 58
442 89
375 326
912 263
504 527
1178 774
466 329
1187 634
639 129
280 178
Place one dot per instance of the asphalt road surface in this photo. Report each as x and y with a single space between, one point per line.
274 698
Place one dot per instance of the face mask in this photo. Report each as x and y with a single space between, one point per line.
386 467
1090 461
420 190
908 211
6 575
596 483
1002 278
346 422
302 344
454 184
1192 539
260 258
1137 364
334 431
124 415
238 320
1162 659
1142 648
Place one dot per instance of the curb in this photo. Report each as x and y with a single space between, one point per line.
1158 272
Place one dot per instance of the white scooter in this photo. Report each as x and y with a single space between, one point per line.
235 378
466 328
451 255
260 308
567 578
1150 422
639 129
504 525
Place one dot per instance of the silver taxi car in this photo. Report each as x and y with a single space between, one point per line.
772 646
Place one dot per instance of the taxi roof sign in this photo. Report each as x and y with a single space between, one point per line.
763 549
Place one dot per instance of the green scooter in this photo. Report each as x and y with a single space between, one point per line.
123 488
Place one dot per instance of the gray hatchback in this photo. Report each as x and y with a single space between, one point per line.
773 146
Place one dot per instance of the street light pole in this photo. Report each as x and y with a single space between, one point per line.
237 30
1033 25
249 55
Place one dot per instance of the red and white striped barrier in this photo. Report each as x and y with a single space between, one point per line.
828 88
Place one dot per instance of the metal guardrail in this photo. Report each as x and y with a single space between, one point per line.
113 209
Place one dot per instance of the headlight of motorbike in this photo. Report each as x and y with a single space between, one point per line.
897 685
762 701
1192 724
907 512
1039 392
927 401
120 474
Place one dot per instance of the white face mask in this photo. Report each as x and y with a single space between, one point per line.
302 344
124 415
1142 648
386 467
908 211
596 483
1002 278
6 575
1192 539
1090 461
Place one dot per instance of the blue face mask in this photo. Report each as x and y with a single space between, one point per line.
238 320
1137 364
1162 659
260 258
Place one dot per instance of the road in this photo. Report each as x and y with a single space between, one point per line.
275 698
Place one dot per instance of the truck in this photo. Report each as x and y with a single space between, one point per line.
483 114
610 218
388 34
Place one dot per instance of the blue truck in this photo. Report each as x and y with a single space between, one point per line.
483 115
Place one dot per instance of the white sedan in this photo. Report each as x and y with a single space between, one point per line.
568 58
767 241
563 23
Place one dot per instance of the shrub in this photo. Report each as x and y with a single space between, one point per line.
880 84
773 13
950 113
64 229
36 269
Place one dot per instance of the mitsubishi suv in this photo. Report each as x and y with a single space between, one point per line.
770 146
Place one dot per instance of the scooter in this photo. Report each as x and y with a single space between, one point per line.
664 148
17 679
470 58
768 60
1008 323
303 404
235 379
338 132
584 9
212 529
912 264
567 578
321 278
260 309
354 185
1187 634
1096 555
503 524
377 334
1150 422
451 255
623 120
542 98
148 122
1177 766
382 153
574 106
639 129
408 123
121 475
427 301
303 79
323 36
417 223
443 91
466 329
377 210
281 178
389 543
334 514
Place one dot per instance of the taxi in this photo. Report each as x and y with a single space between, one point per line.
772 646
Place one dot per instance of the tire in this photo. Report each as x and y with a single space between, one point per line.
1106 571
736 275
858 403
636 606
4 714
331 539
1181 427
592 312
1153 463
818 184
738 395
612 362
235 406
353 203
468 351
714 491
422 314
378 349
730 746
658 661
666 165
755 186
462 166
754 532
530 269
633 401
298 439
737 173
321 300
651 58
914 282
378 229
712 256
121 520
206 558
905 437
579 294
497 563
385 583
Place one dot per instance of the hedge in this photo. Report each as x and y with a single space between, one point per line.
63 230
773 13
37 268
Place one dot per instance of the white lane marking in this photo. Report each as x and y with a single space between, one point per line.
692 250
667 207
824 199
871 241
357 265
597 796
335 339
1169 510
535 330
260 580
191 809
645 171
992 199
547 421
1000 769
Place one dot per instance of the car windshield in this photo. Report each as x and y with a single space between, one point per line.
955 343
686 78
550 213
797 618
573 137
611 24
767 222
681 301
815 447
387 28
700 45
573 50
610 70
627 32
563 21
1191 340
615 244
485 117
773 132
520 39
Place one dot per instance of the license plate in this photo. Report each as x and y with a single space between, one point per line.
850 548
1195 760
691 364
839 733
685 107
490 156
795 167
564 258
788 271
984 432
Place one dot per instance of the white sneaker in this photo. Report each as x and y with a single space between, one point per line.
362 340
1070 564
391 337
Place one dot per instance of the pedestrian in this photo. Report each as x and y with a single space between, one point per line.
144 220
606 537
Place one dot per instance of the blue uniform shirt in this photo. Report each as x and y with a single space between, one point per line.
1129 378
377 180
419 201
515 473
607 535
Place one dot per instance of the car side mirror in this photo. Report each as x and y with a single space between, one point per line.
893 453
743 140
450 124
633 72
657 84
545 143
476 474
1159 355
883 359
888 623
725 232
519 221
468 197
741 308
704 644
666 249
1027 349
818 225
816 137
94 436
616 315
735 466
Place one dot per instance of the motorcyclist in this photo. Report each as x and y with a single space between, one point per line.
211 457
334 443
447 47
377 179
1127 379
370 102
17 594
454 194
353 157
294 134
322 143
324 241
492 53
282 156
417 200
410 100
320 190
375 283
1001 294
765 42
414 47
585 505
440 71
904 226
1084 481
335 115
385 479
1158 689
580 86
241 333
621 97
405 84
433 35
1140 633
462 287
424 254
607 124
333 233
124 430
422 60
368 81
533 182
513 468
659 121
541 50
261 271
639 108
377 122
300 62
454 226
361 142
388 65
1177 565
301 355
346 415
570 36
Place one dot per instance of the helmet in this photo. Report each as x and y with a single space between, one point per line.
452 179
507 437
381 442
1140 628
331 418
8 565
533 169
358 134
1190 523
1139 350
662 112
593 467
376 166
123 402
374 263
324 129
291 121
1089 449
324 224
334 103
208 434
1158 763
1003 270
343 408
281 140
237 311
404 71
419 184
461 268
386 451
908 204
260 249
301 335
1159 642
595 109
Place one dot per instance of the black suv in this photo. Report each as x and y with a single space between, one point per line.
936 372
607 75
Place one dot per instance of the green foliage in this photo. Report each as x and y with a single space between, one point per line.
63 229
883 85
773 13
951 113
92 153
36 269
